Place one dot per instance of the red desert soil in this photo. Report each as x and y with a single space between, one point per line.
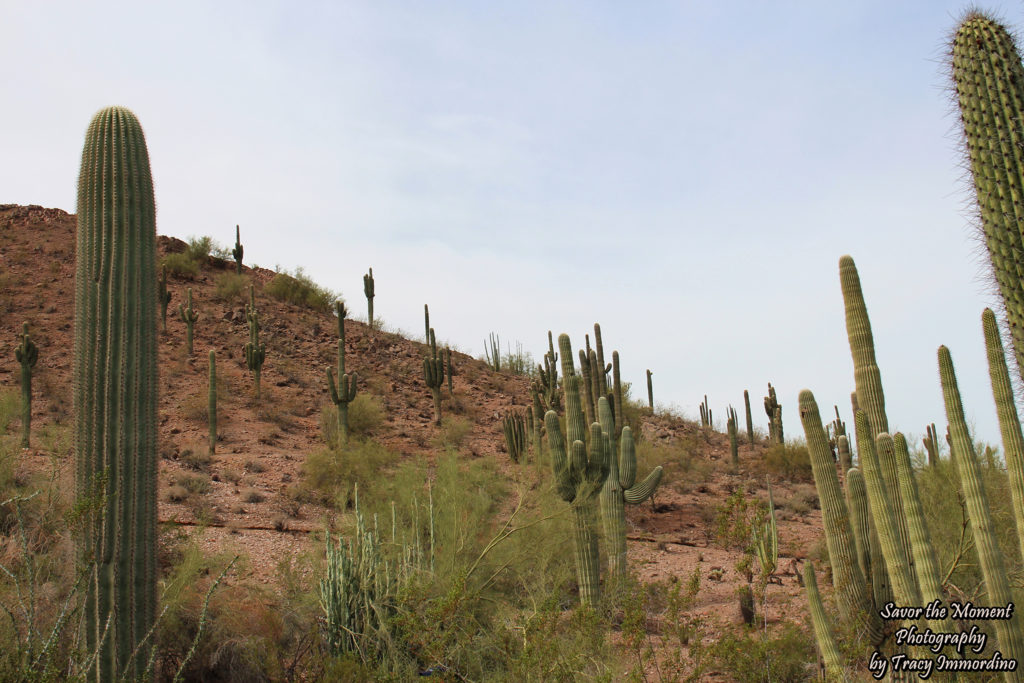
266 444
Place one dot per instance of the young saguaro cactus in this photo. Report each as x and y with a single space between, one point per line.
26 353
212 407
988 78
115 393
344 391
189 317
238 251
620 487
750 419
368 291
433 376
163 296
255 353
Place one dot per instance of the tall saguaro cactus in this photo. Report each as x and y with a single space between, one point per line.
620 487
433 376
368 291
212 407
750 419
115 391
730 425
255 353
989 81
238 251
344 392
189 317
163 296
650 393
26 353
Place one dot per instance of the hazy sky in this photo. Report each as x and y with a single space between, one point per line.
686 174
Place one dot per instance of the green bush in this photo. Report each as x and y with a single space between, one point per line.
791 462
365 414
754 657
332 473
180 264
230 286
297 288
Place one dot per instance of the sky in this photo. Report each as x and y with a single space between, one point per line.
685 174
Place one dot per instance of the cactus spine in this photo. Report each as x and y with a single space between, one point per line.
730 424
620 487
26 353
212 409
115 392
344 392
189 317
990 558
433 375
750 419
255 353
237 251
368 291
989 80
163 296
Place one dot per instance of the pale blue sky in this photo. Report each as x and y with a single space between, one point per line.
687 176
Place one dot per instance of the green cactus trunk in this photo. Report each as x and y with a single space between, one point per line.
750 419
734 450
1009 422
433 376
450 370
27 354
238 251
822 633
344 392
189 317
851 587
650 393
368 291
254 352
1011 640
115 392
989 80
163 297
213 402
860 521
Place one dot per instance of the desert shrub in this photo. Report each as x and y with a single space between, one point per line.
199 249
365 414
299 289
736 518
230 286
756 657
792 462
453 432
332 473
251 495
181 265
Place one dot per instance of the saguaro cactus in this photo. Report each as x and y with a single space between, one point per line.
26 353
115 392
368 291
449 370
1011 639
750 419
774 411
989 80
212 408
705 413
238 251
620 487
255 353
163 297
650 393
931 443
426 324
344 392
730 425
433 375
189 317
513 424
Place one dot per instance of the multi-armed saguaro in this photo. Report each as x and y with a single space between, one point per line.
368 291
344 392
115 393
189 317
433 375
255 353
26 353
